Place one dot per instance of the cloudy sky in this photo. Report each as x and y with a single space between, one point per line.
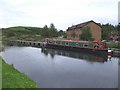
119 11
63 13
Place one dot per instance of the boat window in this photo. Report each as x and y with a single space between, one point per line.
85 45
77 44
96 46
50 41
60 42
39 44
67 43
100 45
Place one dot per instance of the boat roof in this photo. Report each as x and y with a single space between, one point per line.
68 40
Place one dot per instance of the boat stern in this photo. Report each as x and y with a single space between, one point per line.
110 52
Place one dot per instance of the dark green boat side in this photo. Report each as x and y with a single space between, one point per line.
97 48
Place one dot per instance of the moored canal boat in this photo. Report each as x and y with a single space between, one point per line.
91 47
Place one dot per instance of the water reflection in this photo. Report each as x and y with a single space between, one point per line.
119 73
84 56
51 68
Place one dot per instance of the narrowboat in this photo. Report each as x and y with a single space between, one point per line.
91 47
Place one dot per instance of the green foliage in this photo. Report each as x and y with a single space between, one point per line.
0 73
73 35
10 34
31 33
45 31
114 45
108 29
86 34
11 78
62 33
53 31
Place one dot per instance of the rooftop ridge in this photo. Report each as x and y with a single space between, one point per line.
83 24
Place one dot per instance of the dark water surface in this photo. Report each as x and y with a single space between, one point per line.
60 69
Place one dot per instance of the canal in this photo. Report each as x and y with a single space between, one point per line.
62 69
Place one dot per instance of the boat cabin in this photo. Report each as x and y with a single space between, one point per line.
76 43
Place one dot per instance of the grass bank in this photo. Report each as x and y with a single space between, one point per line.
11 78
0 73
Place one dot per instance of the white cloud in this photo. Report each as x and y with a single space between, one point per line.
63 13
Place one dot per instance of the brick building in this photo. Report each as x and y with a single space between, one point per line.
75 31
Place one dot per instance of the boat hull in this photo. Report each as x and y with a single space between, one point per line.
103 53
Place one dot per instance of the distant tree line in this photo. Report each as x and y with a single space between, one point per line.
31 33
109 29
51 31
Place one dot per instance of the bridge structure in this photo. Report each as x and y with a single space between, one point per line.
27 43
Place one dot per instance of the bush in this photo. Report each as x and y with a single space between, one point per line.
114 45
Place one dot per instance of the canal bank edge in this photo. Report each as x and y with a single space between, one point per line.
0 73
12 78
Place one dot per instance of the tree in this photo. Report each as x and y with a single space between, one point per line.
45 31
52 26
73 35
53 31
107 29
45 27
62 33
86 34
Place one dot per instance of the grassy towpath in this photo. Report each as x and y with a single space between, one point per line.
11 78
0 73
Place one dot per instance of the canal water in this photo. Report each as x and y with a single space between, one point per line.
62 69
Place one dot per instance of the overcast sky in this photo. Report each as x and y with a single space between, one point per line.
63 13
119 11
